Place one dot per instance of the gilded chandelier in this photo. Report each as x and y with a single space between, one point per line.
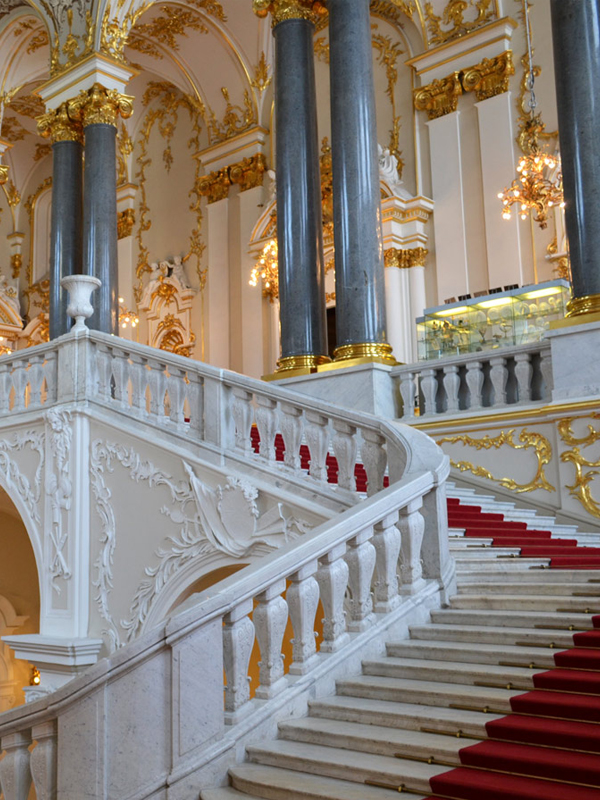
538 185
266 270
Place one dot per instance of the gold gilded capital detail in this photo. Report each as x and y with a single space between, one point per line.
282 10
440 97
59 126
490 77
405 259
100 106
247 174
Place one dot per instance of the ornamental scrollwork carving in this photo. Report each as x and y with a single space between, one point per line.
30 495
440 97
59 490
405 259
585 469
247 174
490 77
542 449
454 15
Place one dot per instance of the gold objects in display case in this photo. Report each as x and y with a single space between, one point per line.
492 322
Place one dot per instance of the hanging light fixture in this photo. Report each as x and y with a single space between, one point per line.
266 269
538 186
127 318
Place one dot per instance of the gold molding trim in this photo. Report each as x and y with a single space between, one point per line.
440 97
125 223
581 489
541 446
378 350
490 77
283 10
588 304
247 174
306 362
405 259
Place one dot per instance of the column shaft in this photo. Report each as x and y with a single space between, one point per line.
66 229
360 285
299 222
100 224
576 38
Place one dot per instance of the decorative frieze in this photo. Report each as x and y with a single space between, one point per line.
405 259
490 77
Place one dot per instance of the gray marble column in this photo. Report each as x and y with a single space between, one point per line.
360 290
100 224
576 37
299 224
66 229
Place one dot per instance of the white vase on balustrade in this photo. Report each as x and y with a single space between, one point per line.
80 308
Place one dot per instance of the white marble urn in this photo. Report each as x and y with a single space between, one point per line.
80 288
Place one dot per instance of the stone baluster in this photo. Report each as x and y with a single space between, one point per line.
36 379
475 383
386 541
103 366
266 420
524 374
138 384
303 600
120 375
429 387
332 577
157 381
43 761
291 429
270 620
19 382
499 378
5 387
408 392
374 458
412 528
546 370
360 558
51 377
317 439
242 413
452 387
15 775
238 640
176 389
344 447
196 402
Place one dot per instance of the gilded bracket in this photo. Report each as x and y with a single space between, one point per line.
536 441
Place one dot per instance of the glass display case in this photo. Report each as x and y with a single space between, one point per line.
505 319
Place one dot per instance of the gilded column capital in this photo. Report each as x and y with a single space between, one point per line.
58 126
439 97
490 77
282 10
100 106
405 259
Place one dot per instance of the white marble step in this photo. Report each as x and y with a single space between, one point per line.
468 552
489 635
474 561
274 783
508 573
334 762
472 653
527 602
511 619
428 693
411 716
545 588
366 738
450 672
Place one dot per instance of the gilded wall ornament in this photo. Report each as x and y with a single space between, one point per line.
542 449
405 259
28 105
12 130
235 120
389 52
282 10
3 174
125 223
13 196
585 470
490 77
41 151
172 22
74 47
439 97
261 79
453 15
16 262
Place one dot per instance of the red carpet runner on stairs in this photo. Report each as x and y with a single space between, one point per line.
549 748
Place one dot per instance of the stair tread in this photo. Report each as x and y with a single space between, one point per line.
304 785
460 667
506 652
468 695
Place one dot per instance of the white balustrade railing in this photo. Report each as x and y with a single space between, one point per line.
473 382
191 674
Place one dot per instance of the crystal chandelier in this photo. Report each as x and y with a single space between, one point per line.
538 185
127 318
266 270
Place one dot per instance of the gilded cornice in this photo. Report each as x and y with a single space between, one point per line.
100 106
490 77
405 259
439 97
58 126
247 174
283 10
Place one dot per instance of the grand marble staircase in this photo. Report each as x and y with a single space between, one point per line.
488 701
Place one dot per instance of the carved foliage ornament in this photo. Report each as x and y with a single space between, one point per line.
585 469
59 490
454 16
405 259
100 106
282 10
58 126
529 441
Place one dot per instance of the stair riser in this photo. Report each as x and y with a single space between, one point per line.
495 636
474 701
551 604
510 619
474 655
